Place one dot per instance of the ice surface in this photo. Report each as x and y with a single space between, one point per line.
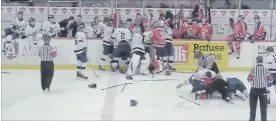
71 99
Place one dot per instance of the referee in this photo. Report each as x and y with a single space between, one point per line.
259 77
46 53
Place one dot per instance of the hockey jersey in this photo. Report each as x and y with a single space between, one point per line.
137 43
18 25
201 74
33 31
270 62
169 34
80 43
107 34
50 28
120 34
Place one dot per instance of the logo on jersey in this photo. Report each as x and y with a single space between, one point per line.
12 51
41 10
73 10
233 13
32 10
181 53
86 10
223 12
64 10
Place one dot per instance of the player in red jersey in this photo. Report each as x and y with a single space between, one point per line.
259 30
158 40
190 29
205 30
239 31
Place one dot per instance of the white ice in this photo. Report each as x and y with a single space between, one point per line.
71 99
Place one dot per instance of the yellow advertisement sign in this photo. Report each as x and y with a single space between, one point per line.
184 55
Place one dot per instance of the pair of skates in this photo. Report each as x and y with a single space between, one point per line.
80 76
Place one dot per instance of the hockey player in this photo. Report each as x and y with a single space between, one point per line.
138 54
51 27
98 27
80 51
158 39
120 38
15 31
236 88
33 31
205 30
168 50
107 44
206 61
238 34
259 30
270 63
190 29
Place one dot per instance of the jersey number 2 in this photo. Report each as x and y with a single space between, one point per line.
123 36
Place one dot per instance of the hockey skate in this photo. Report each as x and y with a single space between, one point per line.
81 76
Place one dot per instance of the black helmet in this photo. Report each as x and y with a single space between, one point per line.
32 19
270 49
259 59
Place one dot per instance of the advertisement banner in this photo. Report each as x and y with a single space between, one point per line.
260 49
184 55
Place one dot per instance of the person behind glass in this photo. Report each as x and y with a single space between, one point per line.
66 24
46 53
259 77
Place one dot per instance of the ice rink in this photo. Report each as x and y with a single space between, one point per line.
71 99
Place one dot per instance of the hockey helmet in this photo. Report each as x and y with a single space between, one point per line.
197 54
32 19
256 17
241 17
20 13
123 24
81 27
259 59
208 74
270 49
231 20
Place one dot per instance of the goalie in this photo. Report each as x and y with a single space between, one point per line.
138 54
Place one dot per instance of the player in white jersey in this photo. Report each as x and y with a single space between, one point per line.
270 63
80 51
120 38
51 27
16 30
107 44
138 54
98 27
168 56
33 31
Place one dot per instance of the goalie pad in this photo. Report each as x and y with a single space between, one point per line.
145 62
133 64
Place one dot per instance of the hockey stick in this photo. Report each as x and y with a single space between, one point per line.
93 69
156 80
5 72
117 86
189 100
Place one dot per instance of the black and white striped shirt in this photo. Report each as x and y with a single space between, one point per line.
206 61
47 52
259 76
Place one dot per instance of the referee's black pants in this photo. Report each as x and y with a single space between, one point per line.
47 73
256 93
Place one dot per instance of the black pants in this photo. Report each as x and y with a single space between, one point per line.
47 73
255 94
215 68
220 86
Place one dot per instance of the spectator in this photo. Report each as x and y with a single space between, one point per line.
167 16
74 4
67 25
201 11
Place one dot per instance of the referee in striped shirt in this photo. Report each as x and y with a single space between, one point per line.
46 53
259 77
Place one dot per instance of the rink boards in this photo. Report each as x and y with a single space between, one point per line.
24 55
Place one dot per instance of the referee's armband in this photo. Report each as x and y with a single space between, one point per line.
250 77
54 54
